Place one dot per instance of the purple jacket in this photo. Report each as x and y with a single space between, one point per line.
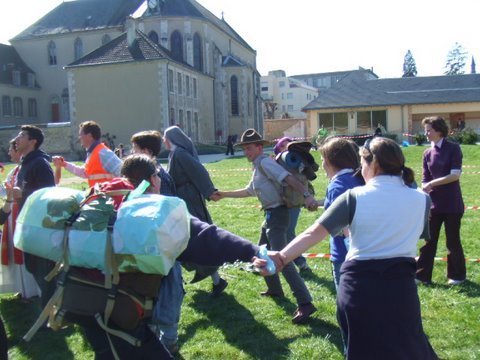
438 163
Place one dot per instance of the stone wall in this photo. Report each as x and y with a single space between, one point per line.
277 128
58 140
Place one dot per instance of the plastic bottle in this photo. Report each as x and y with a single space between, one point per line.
262 254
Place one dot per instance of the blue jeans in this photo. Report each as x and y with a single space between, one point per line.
274 234
166 313
294 213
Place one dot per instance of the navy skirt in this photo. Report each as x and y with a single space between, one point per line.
379 311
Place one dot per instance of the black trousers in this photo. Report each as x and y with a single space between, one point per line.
456 268
379 311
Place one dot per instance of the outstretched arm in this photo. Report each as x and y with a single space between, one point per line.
240 193
211 245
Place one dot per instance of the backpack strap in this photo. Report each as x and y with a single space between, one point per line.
112 277
61 269
47 310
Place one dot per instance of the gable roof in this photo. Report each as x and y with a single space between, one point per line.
118 51
79 15
10 61
355 91
231 60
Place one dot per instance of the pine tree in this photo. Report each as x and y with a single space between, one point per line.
456 59
409 65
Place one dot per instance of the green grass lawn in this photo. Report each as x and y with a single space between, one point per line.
243 325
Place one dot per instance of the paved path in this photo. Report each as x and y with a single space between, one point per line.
204 159
210 158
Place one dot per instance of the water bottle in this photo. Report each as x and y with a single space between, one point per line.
262 254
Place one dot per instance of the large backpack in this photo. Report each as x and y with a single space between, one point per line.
111 297
298 161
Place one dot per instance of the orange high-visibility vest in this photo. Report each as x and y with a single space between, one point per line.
94 169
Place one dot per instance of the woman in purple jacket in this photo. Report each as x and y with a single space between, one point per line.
442 166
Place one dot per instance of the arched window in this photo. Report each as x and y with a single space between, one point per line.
152 35
52 53
105 39
78 45
197 52
234 95
176 45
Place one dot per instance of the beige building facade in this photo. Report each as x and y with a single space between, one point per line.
199 53
290 95
358 105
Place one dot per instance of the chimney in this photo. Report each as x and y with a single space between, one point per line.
131 30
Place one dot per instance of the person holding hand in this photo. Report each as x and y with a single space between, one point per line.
378 308
267 180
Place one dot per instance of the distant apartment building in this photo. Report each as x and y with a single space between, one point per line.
288 94
324 81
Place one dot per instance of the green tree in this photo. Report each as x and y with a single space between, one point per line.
409 65
456 60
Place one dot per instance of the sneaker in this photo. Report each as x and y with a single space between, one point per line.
303 312
218 289
454 282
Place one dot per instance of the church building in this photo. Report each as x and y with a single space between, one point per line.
134 65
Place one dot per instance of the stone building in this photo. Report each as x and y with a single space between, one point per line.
182 66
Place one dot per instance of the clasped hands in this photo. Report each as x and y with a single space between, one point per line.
216 195
58 161
278 259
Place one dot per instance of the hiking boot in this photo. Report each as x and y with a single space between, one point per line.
303 312
218 289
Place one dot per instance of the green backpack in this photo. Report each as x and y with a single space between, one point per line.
122 299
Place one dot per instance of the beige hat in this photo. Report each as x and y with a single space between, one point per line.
251 136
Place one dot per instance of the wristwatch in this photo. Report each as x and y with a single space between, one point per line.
306 194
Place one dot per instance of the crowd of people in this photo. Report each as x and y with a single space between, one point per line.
373 262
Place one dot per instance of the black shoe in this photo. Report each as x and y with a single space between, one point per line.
303 312
218 289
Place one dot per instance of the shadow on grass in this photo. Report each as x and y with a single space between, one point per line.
18 317
249 335
310 275
469 288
